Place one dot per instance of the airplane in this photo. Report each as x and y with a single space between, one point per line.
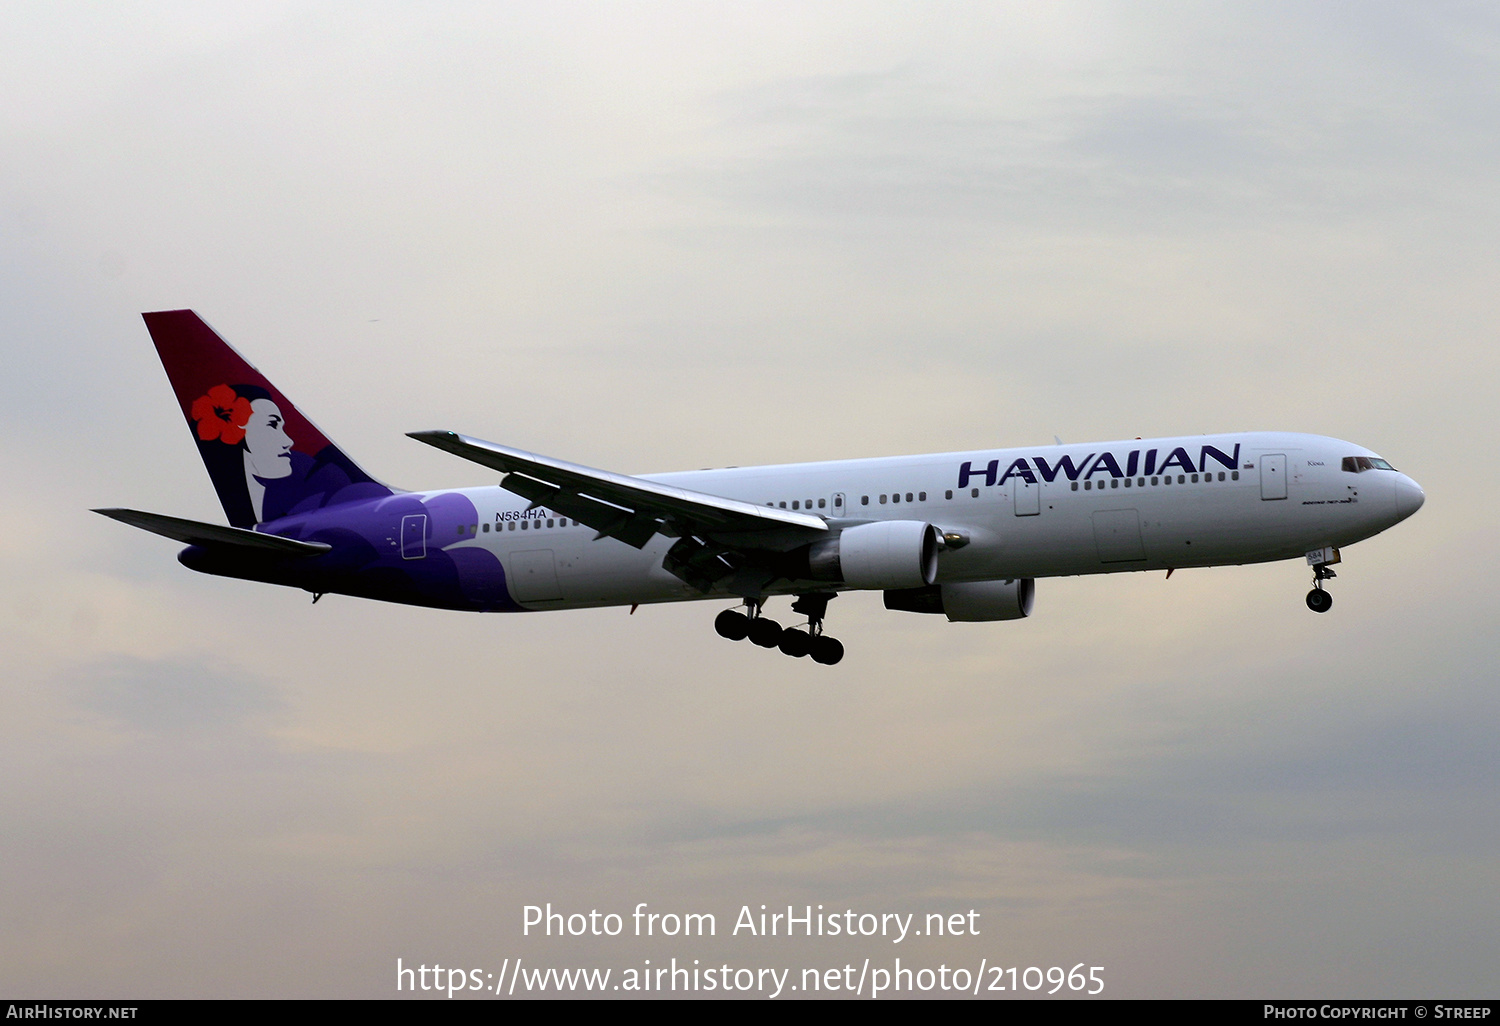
961 534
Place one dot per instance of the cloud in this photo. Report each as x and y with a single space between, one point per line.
663 239
170 697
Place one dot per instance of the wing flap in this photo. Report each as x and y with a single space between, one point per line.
194 532
609 520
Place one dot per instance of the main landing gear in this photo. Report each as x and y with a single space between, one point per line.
1318 600
767 633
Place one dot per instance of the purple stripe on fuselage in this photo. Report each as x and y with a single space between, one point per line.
368 558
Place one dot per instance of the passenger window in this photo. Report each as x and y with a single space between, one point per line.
864 500
512 525
1195 479
524 525
1075 486
896 497
1114 482
822 503
808 503
1128 482
922 496
796 504
486 528
974 492
948 494
783 505
1154 482
551 524
1221 475
908 496
882 500
1140 482
1181 479
1088 486
1234 475
460 528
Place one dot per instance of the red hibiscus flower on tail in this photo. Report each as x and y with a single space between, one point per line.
221 414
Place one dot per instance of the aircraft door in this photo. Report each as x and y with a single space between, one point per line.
414 536
837 507
1117 533
533 576
1272 475
1026 497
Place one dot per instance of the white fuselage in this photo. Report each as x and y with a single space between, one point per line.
1043 511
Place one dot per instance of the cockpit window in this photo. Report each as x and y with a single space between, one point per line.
1359 464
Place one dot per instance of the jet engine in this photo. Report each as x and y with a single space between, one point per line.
972 601
886 554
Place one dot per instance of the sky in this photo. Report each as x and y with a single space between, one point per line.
659 236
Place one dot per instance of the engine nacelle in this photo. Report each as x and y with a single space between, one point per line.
972 601
882 555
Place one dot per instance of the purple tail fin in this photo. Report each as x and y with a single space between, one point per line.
265 458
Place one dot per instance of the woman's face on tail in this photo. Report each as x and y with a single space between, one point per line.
267 444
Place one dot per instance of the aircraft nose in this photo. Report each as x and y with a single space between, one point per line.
1409 496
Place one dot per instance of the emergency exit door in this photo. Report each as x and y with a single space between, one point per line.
414 536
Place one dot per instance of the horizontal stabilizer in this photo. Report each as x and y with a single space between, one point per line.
195 533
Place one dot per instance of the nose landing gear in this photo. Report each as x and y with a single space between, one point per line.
1318 600
1321 561
767 633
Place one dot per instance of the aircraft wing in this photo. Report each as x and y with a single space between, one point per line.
618 506
194 532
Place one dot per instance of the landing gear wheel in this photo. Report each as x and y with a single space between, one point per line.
826 650
764 632
795 643
732 624
1319 601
